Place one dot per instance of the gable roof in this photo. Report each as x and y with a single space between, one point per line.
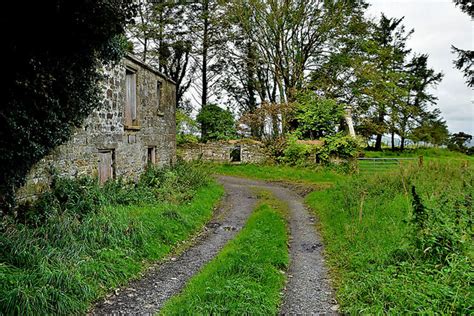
149 67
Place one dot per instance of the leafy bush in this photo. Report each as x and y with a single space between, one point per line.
186 139
216 123
186 128
297 153
339 146
316 116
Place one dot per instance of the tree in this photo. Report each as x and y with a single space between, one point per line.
288 39
418 81
458 141
52 76
465 60
207 22
432 130
216 122
162 37
317 116
383 74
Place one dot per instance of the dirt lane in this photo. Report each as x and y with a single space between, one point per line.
307 292
147 295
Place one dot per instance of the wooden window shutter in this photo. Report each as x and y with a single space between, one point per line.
158 97
130 114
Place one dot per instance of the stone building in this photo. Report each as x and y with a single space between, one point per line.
134 126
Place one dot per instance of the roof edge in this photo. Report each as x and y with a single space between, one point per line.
149 67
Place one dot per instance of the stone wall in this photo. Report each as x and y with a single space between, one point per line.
104 130
249 151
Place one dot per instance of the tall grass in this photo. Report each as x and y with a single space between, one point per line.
427 153
401 242
245 278
80 240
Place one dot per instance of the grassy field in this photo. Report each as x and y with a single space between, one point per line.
277 173
428 153
399 241
246 277
71 259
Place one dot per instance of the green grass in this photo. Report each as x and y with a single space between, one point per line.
387 257
427 153
246 277
409 157
387 263
277 173
63 265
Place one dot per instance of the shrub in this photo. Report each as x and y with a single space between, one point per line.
216 123
339 146
296 153
82 196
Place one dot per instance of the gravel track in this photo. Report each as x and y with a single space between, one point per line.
147 295
307 292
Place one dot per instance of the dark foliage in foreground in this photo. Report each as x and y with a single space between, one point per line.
52 70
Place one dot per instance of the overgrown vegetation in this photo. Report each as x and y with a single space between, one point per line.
401 243
246 277
336 149
81 240
54 72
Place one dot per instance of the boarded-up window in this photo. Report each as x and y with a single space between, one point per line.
130 98
151 156
158 97
106 165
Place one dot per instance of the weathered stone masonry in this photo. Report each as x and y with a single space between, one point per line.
106 138
237 151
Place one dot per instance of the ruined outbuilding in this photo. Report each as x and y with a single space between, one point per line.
134 126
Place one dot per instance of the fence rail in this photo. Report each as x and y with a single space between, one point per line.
384 164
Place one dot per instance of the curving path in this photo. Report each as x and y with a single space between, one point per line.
308 290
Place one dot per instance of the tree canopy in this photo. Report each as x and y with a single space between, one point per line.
55 51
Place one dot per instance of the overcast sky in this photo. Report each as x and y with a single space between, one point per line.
438 24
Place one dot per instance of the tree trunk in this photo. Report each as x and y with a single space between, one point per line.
205 48
348 119
378 142
393 141
402 143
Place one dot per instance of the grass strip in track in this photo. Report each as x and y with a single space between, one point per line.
246 277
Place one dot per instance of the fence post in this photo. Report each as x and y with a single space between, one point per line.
420 161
